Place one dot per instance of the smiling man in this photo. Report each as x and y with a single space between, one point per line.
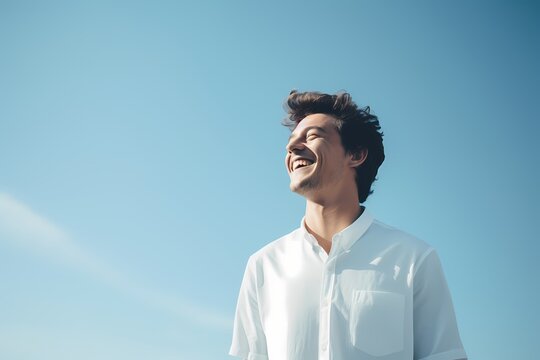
343 285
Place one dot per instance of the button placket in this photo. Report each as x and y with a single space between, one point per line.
325 307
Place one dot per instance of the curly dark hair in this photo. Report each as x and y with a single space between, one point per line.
357 128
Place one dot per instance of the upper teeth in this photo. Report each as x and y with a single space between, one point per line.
300 163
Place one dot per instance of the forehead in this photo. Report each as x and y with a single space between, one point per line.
326 122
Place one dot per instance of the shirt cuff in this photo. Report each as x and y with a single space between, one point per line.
247 355
447 355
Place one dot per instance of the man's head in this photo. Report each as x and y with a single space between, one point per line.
332 142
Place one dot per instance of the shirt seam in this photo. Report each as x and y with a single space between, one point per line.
422 259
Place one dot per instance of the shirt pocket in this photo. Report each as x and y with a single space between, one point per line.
376 321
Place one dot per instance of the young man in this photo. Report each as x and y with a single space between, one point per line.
342 286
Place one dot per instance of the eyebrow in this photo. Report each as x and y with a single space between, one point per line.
310 128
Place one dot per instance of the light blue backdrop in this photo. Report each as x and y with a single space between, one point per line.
141 161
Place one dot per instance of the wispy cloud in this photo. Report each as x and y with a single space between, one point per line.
21 341
24 227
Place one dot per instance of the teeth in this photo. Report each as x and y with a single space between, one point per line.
301 163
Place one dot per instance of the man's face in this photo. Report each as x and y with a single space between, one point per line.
316 160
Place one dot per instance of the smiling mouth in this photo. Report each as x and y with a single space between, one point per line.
301 163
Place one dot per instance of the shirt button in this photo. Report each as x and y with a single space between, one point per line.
324 347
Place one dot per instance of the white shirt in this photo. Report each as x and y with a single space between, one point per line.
379 294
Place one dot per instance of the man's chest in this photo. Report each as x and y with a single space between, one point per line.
362 304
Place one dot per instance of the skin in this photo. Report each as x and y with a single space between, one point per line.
328 184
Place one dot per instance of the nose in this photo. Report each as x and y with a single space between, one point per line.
294 144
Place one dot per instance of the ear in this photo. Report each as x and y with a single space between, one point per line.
358 158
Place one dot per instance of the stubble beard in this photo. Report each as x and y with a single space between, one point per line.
305 186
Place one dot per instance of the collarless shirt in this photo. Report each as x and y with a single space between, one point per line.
379 294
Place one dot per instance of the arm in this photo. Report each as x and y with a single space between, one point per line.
436 334
249 341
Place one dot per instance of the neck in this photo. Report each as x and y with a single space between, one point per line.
325 220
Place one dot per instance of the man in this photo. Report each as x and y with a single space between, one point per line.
343 285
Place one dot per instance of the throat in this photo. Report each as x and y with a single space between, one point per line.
324 222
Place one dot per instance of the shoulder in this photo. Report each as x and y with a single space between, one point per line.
393 235
276 248
396 243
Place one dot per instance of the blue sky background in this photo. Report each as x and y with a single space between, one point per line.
141 161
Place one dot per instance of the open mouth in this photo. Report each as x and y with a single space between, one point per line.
301 163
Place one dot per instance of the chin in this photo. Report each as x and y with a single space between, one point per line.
303 187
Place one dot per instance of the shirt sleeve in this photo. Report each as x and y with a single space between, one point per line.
248 341
436 335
